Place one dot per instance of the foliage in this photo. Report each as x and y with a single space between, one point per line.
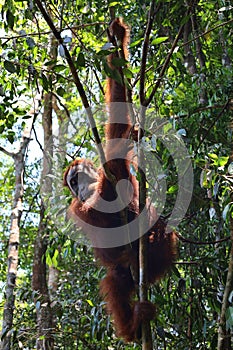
189 299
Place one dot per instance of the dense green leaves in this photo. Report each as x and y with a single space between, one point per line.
9 66
194 94
10 19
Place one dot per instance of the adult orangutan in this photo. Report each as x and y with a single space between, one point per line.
90 187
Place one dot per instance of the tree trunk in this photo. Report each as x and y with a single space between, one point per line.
14 238
143 242
224 335
202 60
39 278
189 58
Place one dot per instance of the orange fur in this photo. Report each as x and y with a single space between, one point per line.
118 288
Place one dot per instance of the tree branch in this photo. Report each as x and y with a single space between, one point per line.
151 16
212 125
81 26
3 150
164 68
166 63
78 85
207 32
186 240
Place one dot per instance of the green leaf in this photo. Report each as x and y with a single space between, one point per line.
138 177
11 136
50 63
118 62
54 258
114 3
45 82
9 66
27 117
180 93
167 127
49 261
136 43
203 179
112 73
159 40
213 156
103 53
59 68
127 73
172 189
80 62
60 91
90 302
10 19
223 161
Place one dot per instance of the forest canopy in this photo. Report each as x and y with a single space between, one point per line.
54 65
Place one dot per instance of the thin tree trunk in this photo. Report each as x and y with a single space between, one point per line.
143 243
143 249
224 339
202 60
59 155
189 58
226 60
14 238
39 279
43 276
190 314
143 292
224 335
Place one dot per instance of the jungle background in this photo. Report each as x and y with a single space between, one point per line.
53 63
